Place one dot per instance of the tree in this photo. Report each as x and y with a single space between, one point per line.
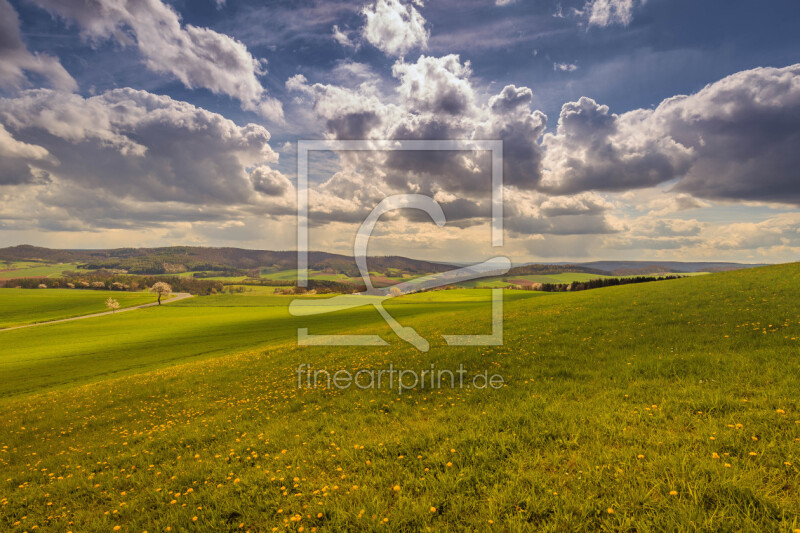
112 304
161 289
394 291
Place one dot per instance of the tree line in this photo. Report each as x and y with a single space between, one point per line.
593 283
118 282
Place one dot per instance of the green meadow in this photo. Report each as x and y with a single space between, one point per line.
665 406
29 269
28 306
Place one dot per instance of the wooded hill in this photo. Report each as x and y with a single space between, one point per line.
175 259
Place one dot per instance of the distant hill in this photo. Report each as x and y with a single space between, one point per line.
545 269
627 268
199 258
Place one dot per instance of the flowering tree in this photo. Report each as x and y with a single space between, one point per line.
161 289
112 304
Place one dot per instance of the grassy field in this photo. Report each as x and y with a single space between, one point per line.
29 306
34 270
652 407
564 277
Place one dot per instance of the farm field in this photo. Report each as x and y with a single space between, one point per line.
640 407
29 306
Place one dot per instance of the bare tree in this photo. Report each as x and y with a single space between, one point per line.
161 289
112 304
394 291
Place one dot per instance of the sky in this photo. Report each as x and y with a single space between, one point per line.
631 129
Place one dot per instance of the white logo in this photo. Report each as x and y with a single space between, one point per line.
375 296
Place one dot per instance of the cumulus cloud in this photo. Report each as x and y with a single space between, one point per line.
198 57
137 146
594 149
779 232
510 99
16 59
270 181
520 129
436 99
744 130
735 139
438 85
394 27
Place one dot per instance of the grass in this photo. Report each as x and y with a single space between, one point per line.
254 290
29 306
653 407
35 270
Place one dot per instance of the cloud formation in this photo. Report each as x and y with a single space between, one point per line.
134 146
198 57
609 12
16 59
394 28
735 139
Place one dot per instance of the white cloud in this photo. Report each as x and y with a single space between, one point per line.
133 146
198 57
16 59
436 84
270 181
342 37
437 100
608 12
565 67
594 149
394 28
674 203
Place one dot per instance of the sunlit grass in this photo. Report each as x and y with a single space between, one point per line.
28 306
653 407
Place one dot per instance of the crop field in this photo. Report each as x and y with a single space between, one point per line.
29 306
659 406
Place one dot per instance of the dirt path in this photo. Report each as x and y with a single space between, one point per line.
175 298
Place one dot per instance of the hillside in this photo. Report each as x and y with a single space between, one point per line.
639 407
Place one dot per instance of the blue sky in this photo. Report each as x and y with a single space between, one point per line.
112 115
